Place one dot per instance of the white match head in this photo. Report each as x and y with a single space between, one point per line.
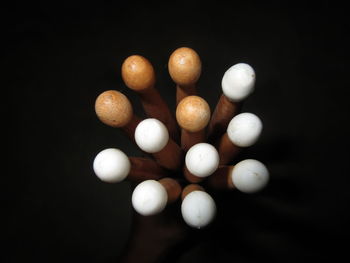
250 176
244 129
198 209
149 198
202 159
151 135
111 165
238 82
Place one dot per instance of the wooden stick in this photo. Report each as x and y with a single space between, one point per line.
138 74
237 83
188 139
172 187
191 177
114 109
152 136
224 111
227 150
170 157
184 91
145 169
190 188
242 131
247 176
185 69
221 179
192 114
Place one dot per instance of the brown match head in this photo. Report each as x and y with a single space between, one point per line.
113 108
138 73
193 113
185 66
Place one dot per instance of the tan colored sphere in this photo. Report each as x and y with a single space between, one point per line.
185 66
138 73
113 108
193 113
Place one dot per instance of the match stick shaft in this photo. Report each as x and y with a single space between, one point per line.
227 150
155 107
221 179
145 169
129 128
170 157
190 188
172 187
188 139
225 110
182 92
190 177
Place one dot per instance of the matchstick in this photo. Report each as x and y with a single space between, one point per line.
193 115
201 161
114 109
247 176
237 83
138 74
198 208
243 131
151 197
152 136
185 68
112 165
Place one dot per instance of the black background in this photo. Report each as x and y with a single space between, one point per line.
61 55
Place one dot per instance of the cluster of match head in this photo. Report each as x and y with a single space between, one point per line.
192 153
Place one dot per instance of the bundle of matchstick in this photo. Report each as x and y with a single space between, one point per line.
191 153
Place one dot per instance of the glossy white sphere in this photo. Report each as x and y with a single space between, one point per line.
238 82
149 198
198 209
151 135
244 129
202 159
111 165
250 176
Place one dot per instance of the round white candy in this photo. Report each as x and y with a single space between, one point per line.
198 209
244 129
202 159
151 135
111 165
250 176
238 82
149 197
